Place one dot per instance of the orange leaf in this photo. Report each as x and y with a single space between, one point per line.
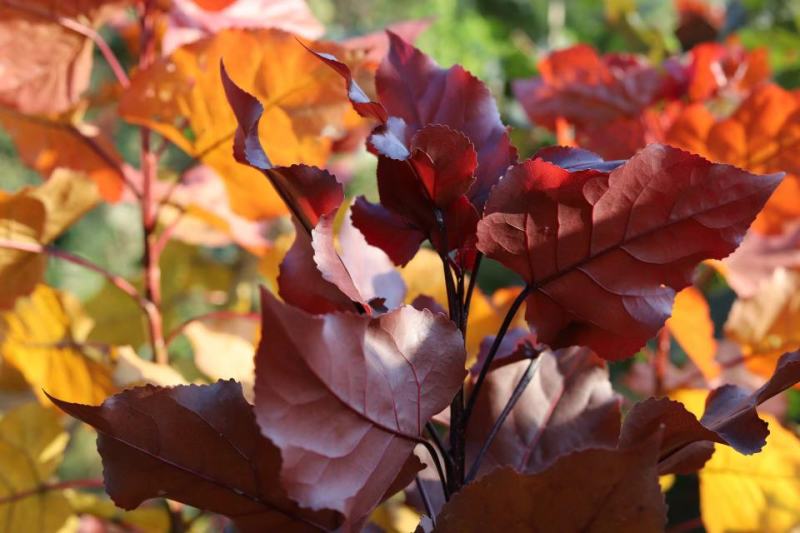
691 326
762 135
46 144
182 98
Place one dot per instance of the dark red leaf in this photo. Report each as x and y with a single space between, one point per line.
427 192
568 406
308 192
593 490
390 232
517 344
414 88
605 253
199 445
345 398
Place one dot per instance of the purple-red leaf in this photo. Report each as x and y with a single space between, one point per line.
412 87
605 253
199 445
308 192
346 397
593 490
568 406
730 418
426 193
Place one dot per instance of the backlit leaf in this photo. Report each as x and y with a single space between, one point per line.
42 337
32 445
605 253
692 327
346 430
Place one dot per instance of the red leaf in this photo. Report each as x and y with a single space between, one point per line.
345 397
592 490
605 253
309 192
730 418
388 231
199 445
568 406
424 191
517 344
414 88
579 85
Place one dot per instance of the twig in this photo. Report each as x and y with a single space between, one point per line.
48 487
426 501
117 281
512 401
660 359
512 311
149 169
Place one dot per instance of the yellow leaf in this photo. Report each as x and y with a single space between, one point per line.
132 370
692 327
21 220
394 516
32 445
759 492
767 325
37 216
423 275
224 348
182 97
42 337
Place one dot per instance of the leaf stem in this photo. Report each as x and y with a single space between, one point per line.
660 360
526 378
512 311
473 282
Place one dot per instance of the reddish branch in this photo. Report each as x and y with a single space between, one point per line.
48 487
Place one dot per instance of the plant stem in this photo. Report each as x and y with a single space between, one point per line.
47 487
473 281
438 464
149 169
512 311
526 378
660 360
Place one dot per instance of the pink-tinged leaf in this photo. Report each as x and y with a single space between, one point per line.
188 21
755 261
568 406
730 418
308 192
346 429
372 271
301 284
376 44
199 445
593 490
605 253
318 278
412 87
